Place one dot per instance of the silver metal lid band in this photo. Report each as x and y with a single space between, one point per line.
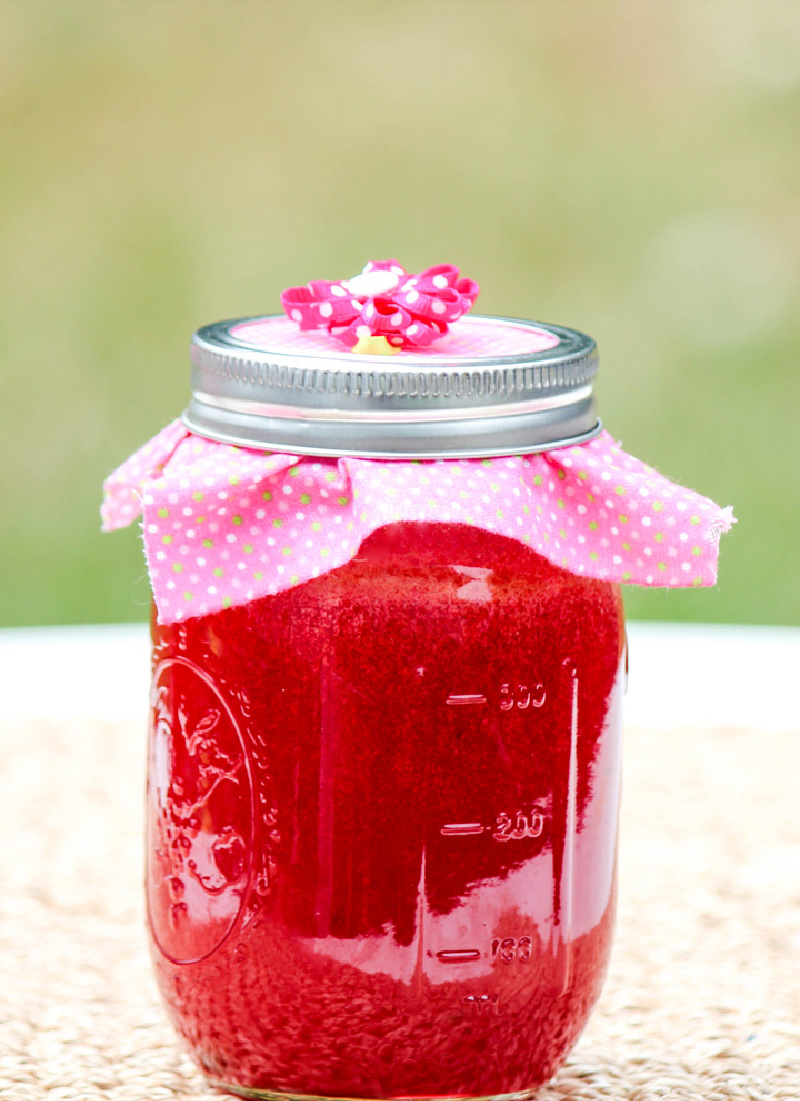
451 438
425 406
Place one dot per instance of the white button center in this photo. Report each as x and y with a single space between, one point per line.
370 284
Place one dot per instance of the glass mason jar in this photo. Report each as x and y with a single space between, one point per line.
382 804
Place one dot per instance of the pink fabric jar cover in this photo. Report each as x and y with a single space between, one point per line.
225 525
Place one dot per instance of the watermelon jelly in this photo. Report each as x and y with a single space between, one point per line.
388 654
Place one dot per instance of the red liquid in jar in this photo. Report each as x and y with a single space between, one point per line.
382 821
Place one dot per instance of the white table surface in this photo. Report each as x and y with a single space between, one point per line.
680 675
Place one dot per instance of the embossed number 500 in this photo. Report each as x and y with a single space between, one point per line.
521 695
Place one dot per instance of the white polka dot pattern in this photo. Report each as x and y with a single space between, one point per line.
224 525
409 311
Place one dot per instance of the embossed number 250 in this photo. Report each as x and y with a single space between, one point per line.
521 825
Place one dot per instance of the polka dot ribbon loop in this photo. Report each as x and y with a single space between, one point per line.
385 301
224 525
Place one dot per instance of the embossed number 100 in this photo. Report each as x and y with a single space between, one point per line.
509 949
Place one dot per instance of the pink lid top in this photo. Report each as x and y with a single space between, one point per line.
473 337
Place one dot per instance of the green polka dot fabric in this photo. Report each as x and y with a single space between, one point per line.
226 525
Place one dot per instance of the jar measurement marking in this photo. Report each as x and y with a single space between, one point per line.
467 700
507 827
518 826
521 695
509 949
458 955
462 829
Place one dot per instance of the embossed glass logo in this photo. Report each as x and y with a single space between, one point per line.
200 814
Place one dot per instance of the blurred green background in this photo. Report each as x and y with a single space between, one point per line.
630 169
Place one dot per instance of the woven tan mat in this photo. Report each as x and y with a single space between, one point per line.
702 999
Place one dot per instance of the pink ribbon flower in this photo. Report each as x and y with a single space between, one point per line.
384 301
